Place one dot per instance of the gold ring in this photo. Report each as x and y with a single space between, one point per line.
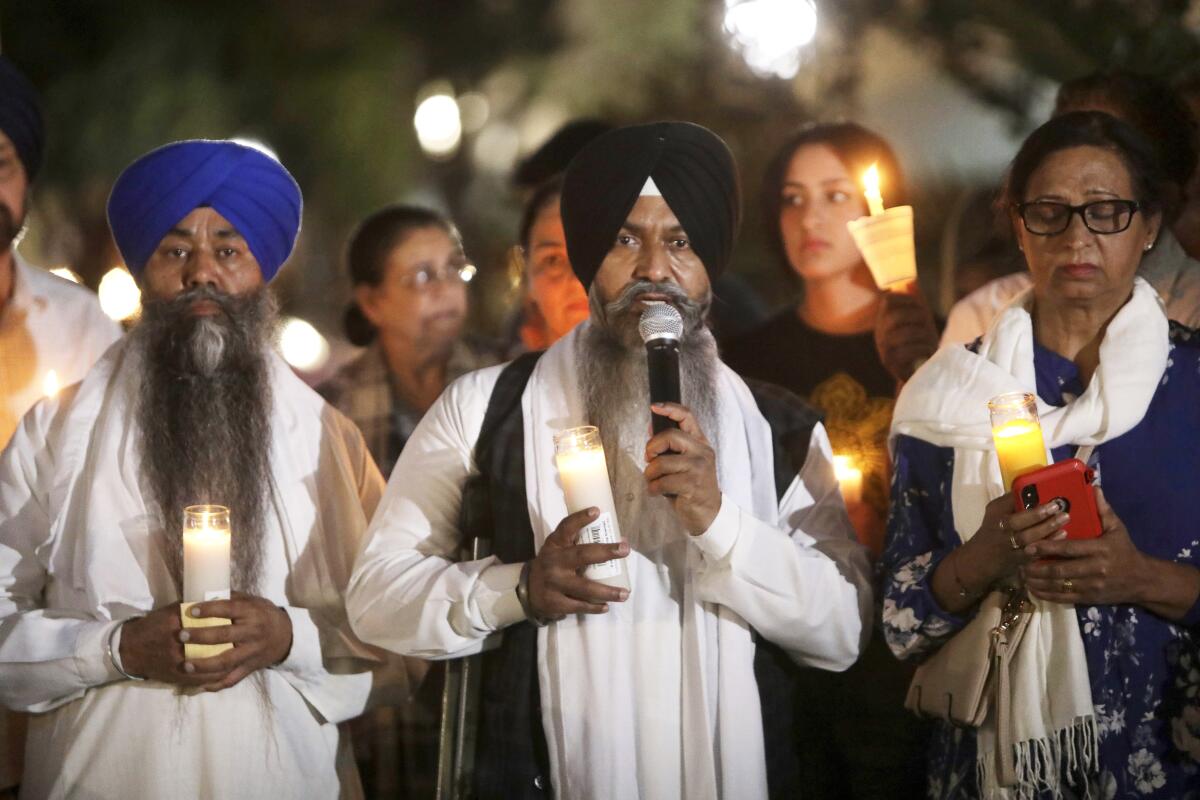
1067 586
1012 539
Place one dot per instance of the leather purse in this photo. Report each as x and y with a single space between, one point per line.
969 673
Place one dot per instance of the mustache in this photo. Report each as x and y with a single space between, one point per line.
181 304
693 311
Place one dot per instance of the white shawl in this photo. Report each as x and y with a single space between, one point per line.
946 404
590 723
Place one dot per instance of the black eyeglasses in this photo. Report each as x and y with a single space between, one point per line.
1047 218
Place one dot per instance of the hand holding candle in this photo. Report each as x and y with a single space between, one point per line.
206 569
584 475
1017 434
885 238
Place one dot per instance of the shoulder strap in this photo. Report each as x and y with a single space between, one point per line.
501 467
792 421
506 396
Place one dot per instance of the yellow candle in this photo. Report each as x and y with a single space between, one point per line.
870 181
1020 448
50 384
583 471
850 478
207 543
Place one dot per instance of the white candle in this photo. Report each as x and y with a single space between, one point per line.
207 543
584 475
850 478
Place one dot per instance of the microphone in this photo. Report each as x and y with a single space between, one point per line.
661 326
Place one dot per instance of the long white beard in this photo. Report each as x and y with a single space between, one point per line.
617 397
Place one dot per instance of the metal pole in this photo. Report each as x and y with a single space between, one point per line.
460 715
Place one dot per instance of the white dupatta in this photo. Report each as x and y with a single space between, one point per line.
946 404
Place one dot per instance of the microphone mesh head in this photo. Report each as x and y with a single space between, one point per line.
660 321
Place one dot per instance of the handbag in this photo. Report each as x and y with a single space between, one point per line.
970 673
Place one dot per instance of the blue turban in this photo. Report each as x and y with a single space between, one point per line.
246 186
21 117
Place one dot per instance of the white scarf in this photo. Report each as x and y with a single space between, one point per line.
946 404
588 710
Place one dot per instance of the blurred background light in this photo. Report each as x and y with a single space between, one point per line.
439 125
770 35
474 111
302 345
496 148
120 297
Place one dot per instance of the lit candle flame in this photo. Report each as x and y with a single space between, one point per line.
870 182
50 384
849 477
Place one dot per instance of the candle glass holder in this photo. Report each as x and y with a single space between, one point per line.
1017 434
583 470
886 243
207 540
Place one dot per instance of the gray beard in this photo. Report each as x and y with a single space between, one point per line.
204 413
616 393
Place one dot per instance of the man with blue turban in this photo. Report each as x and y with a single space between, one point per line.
733 536
193 407
51 330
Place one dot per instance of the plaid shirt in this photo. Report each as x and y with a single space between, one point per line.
363 390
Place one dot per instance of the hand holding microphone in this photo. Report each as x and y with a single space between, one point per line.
680 463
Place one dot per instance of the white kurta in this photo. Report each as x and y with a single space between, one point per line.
1168 268
656 698
47 324
77 553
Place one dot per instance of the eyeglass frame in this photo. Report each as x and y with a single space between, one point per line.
434 275
1081 209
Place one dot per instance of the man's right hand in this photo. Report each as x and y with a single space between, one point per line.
556 585
150 648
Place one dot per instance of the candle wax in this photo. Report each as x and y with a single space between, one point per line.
206 576
1020 448
584 476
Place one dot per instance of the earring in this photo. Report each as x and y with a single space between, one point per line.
1148 247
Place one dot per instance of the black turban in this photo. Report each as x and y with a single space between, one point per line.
21 117
690 165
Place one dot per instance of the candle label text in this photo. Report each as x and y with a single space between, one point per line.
600 531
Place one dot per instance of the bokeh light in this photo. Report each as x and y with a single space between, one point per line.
302 345
120 297
771 34
439 125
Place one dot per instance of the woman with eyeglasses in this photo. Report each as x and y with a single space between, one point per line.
1106 681
409 273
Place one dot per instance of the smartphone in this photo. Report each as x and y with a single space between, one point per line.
1069 481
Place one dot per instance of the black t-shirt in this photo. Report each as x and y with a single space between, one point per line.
787 352
841 376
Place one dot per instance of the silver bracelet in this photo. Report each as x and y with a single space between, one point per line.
108 649
523 596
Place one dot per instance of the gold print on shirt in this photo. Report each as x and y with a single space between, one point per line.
858 427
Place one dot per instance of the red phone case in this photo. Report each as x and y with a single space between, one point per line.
1070 480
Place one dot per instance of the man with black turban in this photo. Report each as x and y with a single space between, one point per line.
193 407
51 331
734 529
